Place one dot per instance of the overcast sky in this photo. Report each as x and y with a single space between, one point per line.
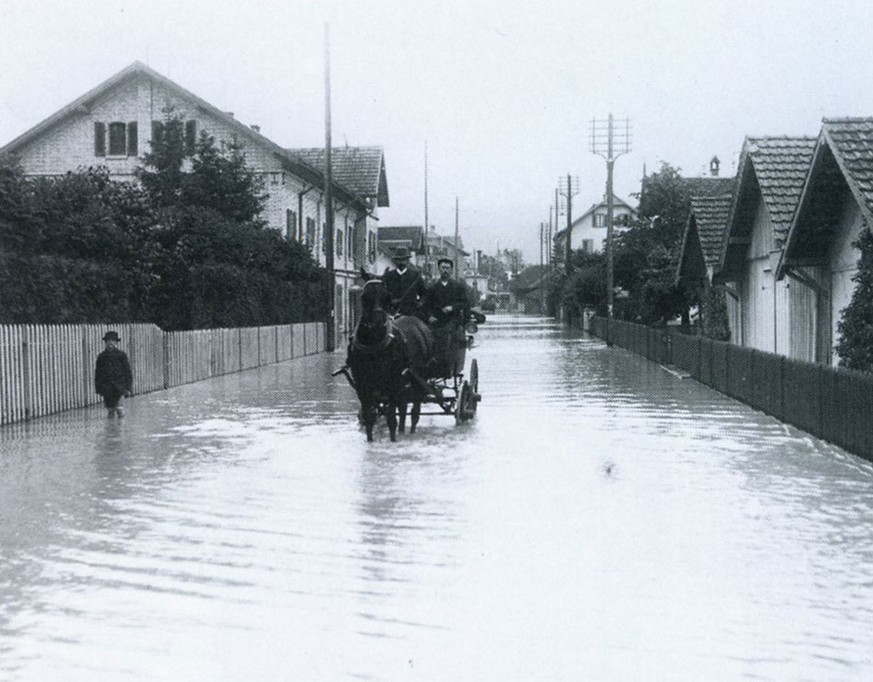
503 92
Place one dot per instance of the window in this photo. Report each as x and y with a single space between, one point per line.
371 246
339 242
599 220
350 239
587 245
290 225
123 139
187 136
338 306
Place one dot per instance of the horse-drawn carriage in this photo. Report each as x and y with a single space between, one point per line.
397 361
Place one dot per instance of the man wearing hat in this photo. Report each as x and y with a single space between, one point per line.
404 283
112 377
445 309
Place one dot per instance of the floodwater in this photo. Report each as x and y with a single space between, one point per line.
600 519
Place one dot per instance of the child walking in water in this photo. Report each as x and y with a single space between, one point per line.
112 377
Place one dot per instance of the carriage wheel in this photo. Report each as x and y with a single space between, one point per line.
462 403
473 399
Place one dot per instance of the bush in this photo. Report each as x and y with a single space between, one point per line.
855 328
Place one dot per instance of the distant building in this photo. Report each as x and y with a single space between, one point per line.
528 290
390 237
588 231
444 247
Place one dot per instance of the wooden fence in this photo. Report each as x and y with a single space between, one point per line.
50 368
830 403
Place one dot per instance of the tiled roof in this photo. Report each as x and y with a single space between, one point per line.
781 165
409 235
851 141
529 278
361 169
776 167
709 186
711 216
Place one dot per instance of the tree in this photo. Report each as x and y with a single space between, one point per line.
713 307
221 180
855 328
646 255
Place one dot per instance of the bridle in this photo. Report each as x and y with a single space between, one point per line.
381 344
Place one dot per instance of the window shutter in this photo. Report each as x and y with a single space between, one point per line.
99 139
190 137
132 139
157 134
290 224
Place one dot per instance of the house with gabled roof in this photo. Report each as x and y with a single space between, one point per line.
835 206
409 236
701 247
769 181
702 239
528 290
113 124
588 231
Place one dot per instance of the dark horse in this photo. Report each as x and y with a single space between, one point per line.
380 352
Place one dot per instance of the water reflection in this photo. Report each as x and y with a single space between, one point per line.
599 515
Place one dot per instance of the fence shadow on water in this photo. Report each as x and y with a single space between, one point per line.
830 403
45 369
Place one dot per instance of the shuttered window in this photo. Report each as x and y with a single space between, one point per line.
310 231
99 139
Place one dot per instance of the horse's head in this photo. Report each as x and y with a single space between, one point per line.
374 326
374 296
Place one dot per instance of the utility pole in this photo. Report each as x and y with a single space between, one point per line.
610 139
572 188
328 199
426 223
457 250
543 265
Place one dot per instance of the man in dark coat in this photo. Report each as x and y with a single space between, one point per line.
445 309
112 376
404 283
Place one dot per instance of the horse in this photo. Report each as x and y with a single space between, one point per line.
381 351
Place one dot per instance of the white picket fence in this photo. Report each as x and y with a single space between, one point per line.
46 369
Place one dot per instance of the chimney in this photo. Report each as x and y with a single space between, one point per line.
713 166
256 128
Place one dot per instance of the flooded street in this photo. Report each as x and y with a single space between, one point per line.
599 519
